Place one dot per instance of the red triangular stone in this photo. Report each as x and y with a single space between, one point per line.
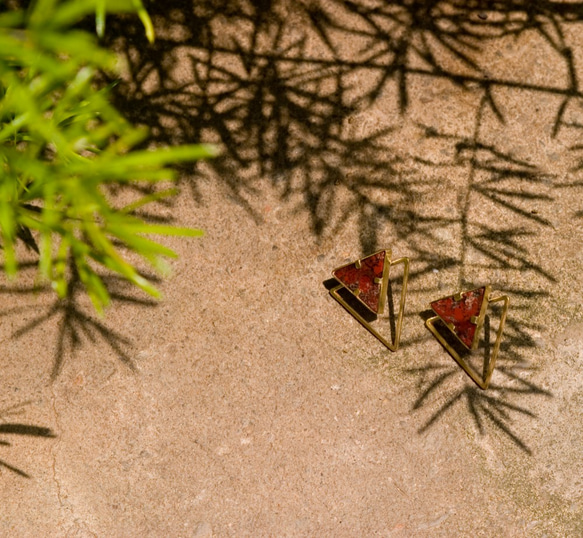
458 314
361 281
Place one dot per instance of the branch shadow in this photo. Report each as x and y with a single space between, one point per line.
495 406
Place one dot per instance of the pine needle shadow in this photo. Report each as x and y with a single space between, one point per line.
272 84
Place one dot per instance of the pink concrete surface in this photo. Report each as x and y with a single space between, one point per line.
248 402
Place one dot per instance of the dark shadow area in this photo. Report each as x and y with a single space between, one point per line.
19 429
452 340
478 361
357 306
281 87
76 321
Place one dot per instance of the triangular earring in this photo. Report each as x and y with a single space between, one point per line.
464 315
367 280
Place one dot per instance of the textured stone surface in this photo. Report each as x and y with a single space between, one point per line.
247 401
458 314
364 279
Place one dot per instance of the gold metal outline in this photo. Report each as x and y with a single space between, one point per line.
482 382
393 346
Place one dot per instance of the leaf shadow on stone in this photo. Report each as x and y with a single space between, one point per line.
245 75
76 322
273 84
9 429
494 408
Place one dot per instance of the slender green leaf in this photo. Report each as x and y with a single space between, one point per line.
63 146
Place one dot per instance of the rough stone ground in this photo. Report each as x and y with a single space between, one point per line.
249 403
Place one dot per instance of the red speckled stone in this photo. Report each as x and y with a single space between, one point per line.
459 313
361 281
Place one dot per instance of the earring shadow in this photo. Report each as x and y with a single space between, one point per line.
352 301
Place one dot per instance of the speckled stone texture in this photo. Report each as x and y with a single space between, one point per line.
246 402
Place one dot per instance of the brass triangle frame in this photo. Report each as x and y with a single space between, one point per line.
482 381
393 346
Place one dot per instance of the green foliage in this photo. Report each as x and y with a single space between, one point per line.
63 146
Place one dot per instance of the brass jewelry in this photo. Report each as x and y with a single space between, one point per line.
367 280
464 315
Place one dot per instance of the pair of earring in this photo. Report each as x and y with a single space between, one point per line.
365 283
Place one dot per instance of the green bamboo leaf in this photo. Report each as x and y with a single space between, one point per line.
162 229
80 49
11 128
73 11
147 22
138 162
141 245
127 271
93 284
145 200
47 217
41 10
8 234
46 250
128 139
164 156
59 276
12 19
108 256
62 144
100 18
